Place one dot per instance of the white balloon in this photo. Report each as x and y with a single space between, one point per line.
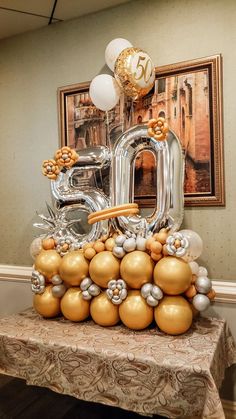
195 245
202 271
113 50
104 92
194 267
36 247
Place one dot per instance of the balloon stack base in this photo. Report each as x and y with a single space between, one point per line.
124 278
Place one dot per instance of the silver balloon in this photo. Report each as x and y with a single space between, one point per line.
78 192
86 174
201 302
169 175
203 284
58 290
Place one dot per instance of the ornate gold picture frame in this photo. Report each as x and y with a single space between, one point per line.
189 95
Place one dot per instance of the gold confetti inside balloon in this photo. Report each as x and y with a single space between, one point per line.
136 269
134 312
173 315
104 267
46 304
73 306
74 267
47 263
134 72
172 275
103 311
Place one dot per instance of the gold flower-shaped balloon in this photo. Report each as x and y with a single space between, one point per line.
50 169
66 157
158 129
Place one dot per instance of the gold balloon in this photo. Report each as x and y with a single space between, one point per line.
73 306
173 315
74 267
103 311
172 275
134 72
134 312
104 267
136 269
46 304
47 263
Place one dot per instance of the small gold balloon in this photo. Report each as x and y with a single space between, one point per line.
104 267
46 304
73 306
134 312
173 315
47 263
103 311
172 275
74 267
48 243
109 244
136 269
134 72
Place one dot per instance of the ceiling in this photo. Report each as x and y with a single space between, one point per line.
18 16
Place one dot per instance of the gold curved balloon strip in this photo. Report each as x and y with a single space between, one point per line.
113 212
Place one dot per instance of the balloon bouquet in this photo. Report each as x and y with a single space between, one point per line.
110 262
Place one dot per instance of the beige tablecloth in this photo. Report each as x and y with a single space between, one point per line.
147 372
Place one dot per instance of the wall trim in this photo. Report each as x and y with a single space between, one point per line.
14 273
225 290
229 407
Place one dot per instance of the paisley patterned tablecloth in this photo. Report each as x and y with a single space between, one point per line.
146 371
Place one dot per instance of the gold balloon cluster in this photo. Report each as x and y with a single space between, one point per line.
171 274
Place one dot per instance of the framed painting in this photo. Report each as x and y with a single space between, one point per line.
189 96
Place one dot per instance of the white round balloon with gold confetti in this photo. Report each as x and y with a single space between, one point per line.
134 72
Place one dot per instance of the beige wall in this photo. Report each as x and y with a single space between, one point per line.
14 296
35 64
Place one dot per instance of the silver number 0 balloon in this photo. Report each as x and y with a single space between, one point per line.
169 179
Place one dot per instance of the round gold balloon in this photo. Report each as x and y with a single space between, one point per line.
104 267
173 315
74 267
73 306
134 72
134 312
136 269
103 311
172 275
47 263
46 304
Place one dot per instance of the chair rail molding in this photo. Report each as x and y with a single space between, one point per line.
13 273
225 290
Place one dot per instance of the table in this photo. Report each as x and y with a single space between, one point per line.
147 371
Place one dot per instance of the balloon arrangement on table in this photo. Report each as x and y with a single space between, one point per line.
111 263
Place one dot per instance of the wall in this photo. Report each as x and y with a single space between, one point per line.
35 64
15 296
